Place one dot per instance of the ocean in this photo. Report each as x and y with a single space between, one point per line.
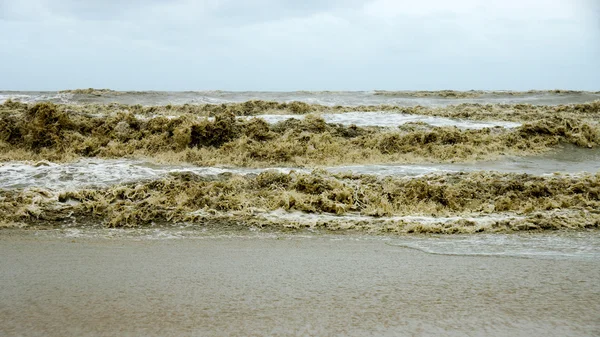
370 213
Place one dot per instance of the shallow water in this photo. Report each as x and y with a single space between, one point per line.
569 160
287 286
99 173
549 245
349 98
387 119
106 172
560 245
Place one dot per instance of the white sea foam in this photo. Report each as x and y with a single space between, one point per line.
547 245
34 97
388 119
364 119
99 172
312 218
105 172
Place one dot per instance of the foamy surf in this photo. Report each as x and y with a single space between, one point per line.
387 119
548 246
106 172
559 245
101 173
314 218
327 98
366 119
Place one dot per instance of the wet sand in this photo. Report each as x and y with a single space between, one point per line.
284 286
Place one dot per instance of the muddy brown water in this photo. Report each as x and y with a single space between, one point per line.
329 98
61 285
164 282
106 172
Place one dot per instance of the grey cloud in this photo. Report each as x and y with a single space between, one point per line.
279 45
97 9
213 10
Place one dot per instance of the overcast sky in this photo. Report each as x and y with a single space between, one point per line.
299 44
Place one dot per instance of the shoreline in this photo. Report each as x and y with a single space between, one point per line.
228 286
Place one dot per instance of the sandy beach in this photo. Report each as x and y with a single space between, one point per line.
56 285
